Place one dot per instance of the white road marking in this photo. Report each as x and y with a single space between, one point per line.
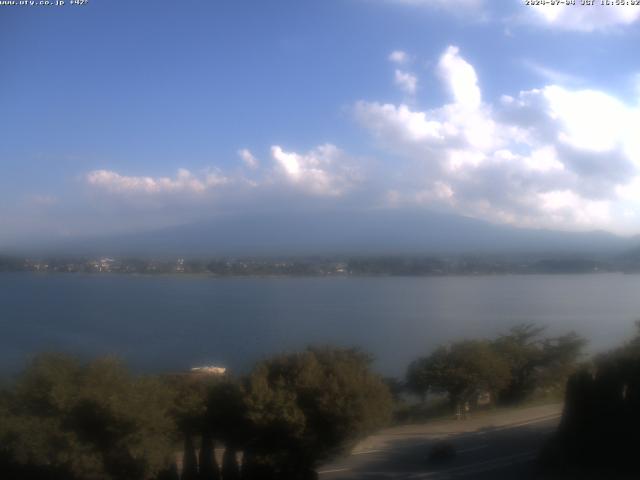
366 452
522 424
333 470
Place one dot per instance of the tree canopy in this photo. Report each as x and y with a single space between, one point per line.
306 406
535 361
510 367
462 370
86 421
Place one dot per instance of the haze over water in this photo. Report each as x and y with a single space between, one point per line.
160 323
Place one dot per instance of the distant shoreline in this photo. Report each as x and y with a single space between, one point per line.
363 266
302 276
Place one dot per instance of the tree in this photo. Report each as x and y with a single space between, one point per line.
560 358
85 421
304 407
463 370
521 348
191 393
226 413
396 388
417 379
536 362
190 411
226 420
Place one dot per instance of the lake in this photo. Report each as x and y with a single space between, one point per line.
159 323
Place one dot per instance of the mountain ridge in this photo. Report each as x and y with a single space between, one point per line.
349 233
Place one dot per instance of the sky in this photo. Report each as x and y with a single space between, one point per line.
120 116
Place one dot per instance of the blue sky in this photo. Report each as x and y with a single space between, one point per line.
122 116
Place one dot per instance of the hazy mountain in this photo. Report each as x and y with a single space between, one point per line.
374 232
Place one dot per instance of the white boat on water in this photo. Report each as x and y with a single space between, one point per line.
209 370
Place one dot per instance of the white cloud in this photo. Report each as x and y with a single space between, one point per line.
585 120
455 6
248 158
184 182
325 170
591 119
460 78
543 159
583 18
565 205
398 56
398 126
550 157
463 122
577 18
406 81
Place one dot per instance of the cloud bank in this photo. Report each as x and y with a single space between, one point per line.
569 18
583 18
184 182
324 171
552 157
548 157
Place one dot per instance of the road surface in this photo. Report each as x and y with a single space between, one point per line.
492 446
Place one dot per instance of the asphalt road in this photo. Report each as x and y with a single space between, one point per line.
501 445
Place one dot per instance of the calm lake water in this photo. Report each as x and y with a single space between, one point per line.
175 322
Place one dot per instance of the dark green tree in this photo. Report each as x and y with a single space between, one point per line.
226 412
226 420
307 406
536 362
521 348
561 357
463 370
85 421
191 392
